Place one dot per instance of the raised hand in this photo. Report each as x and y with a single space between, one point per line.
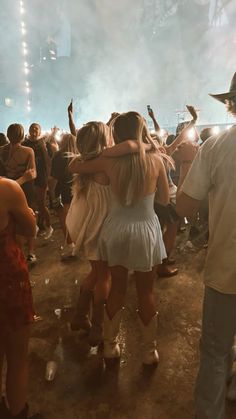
192 112
151 113
70 107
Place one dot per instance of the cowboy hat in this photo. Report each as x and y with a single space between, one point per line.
232 91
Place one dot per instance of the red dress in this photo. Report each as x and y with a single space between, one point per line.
16 303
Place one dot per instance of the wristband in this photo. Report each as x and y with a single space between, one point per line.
187 161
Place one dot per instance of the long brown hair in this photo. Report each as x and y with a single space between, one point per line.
133 170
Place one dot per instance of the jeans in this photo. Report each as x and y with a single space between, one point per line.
218 330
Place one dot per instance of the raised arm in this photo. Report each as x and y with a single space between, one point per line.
182 136
155 123
17 206
71 119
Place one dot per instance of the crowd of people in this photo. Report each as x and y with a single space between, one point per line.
119 193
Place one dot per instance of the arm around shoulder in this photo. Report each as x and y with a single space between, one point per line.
96 165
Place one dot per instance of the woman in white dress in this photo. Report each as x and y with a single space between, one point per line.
131 237
88 210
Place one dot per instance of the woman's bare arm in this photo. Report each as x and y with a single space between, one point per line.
96 165
17 207
126 147
182 136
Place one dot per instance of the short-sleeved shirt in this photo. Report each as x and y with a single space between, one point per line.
213 173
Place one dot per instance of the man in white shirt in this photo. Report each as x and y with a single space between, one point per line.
212 174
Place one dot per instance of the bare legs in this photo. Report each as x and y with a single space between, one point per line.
16 350
146 298
98 280
62 213
117 294
144 286
41 202
169 236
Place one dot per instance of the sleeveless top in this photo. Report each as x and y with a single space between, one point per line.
131 236
16 304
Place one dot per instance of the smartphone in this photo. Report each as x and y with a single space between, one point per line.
148 107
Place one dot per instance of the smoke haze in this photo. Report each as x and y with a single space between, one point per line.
116 56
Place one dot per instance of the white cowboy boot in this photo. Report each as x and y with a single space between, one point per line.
149 344
111 332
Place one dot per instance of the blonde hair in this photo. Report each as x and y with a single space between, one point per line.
133 170
68 145
91 140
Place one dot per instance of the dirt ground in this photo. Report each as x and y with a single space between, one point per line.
82 387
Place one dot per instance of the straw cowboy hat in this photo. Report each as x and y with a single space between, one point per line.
232 92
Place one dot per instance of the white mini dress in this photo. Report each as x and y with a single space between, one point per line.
131 236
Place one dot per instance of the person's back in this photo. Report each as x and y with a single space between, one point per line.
222 208
16 158
212 174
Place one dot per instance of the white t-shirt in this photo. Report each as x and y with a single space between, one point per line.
213 173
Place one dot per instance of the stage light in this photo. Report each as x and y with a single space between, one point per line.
162 132
44 58
58 135
216 130
25 51
191 133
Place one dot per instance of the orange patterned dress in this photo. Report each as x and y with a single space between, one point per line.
16 303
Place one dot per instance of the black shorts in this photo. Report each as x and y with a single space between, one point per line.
41 182
166 214
64 191
29 191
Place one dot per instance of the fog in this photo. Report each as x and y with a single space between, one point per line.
115 56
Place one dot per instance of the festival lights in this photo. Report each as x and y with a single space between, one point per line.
216 130
25 52
191 133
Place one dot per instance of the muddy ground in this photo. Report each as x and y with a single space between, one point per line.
82 387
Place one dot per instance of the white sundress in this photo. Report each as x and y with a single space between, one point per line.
86 217
131 236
